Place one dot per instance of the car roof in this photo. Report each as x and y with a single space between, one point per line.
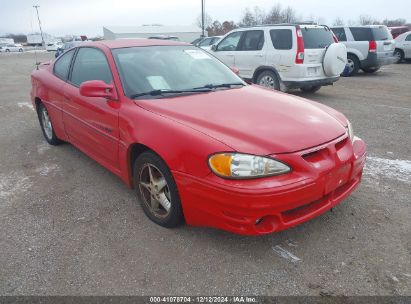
124 43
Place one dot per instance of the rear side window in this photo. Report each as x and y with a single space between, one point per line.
90 64
381 33
408 38
62 65
317 38
230 42
282 39
252 41
340 33
362 33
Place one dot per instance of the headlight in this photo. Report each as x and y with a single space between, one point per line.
244 166
350 130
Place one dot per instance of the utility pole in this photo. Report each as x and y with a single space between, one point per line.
38 17
202 18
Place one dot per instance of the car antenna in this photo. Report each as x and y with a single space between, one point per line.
37 63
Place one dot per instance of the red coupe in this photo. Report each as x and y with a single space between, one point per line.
196 142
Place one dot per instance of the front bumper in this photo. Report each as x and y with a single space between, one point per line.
321 179
310 83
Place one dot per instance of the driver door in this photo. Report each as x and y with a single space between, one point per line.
91 123
227 48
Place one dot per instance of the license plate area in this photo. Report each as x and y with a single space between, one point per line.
312 71
337 178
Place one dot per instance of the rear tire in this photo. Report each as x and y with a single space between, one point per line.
20 50
269 80
370 70
399 55
47 126
353 64
7 51
310 89
157 191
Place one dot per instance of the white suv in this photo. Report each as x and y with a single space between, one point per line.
284 56
369 47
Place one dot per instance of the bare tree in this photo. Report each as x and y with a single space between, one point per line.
248 18
394 22
368 20
259 16
338 22
275 15
289 15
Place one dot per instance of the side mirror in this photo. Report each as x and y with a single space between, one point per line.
214 47
98 88
235 70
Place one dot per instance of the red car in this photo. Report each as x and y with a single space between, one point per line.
195 141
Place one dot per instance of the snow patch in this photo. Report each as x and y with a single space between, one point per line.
46 169
43 147
285 254
398 169
12 184
25 105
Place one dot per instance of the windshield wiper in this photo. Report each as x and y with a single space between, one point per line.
165 91
222 85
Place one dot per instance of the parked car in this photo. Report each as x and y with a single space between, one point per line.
197 41
403 47
12 48
284 57
398 30
165 37
207 42
196 142
53 46
66 46
368 47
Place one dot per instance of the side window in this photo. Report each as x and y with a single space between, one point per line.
252 41
90 64
62 65
340 33
362 33
230 42
282 39
408 38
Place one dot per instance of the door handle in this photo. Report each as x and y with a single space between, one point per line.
259 55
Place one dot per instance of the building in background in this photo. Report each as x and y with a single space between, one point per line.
183 33
6 41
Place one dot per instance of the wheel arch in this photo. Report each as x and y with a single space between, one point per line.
261 69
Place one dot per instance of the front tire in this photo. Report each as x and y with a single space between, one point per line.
370 70
47 126
310 89
269 80
157 191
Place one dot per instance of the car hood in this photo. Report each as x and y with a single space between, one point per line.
253 120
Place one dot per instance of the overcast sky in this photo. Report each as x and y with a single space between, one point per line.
61 17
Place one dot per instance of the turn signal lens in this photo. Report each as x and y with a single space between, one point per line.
350 131
245 166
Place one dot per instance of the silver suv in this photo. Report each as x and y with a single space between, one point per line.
368 47
284 56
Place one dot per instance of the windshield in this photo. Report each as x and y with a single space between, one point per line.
317 38
172 68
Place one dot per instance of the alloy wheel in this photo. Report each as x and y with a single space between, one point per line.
45 120
155 191
267 81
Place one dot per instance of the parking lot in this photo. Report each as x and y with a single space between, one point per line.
68 226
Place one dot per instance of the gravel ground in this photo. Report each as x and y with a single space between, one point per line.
69 227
